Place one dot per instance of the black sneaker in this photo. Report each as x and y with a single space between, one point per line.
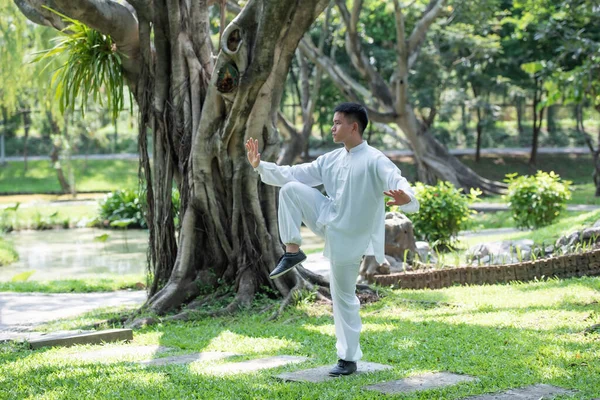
287 262
343 368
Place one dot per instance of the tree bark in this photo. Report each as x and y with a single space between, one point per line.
479 123
308 100
200 111
538 117
520 116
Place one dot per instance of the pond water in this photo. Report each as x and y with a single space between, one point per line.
77 253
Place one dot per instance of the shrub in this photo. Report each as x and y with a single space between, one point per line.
536 201
125 209
443 213
122 205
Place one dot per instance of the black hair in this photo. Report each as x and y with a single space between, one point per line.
356 113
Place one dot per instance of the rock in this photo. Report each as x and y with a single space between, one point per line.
424 252
573 239
590 233
399 267
399 236
478 251
522 243
596 224
370 267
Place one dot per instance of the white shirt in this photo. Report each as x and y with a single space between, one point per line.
354 218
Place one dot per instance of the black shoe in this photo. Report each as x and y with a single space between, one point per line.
343 368
287 262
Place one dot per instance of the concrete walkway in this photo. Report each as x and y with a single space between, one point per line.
23 311
494 207
317 152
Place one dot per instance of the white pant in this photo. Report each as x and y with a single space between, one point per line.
300 203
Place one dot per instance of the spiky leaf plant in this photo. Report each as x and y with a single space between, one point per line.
92 67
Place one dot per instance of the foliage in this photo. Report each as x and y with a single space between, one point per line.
444 212
90 175
536 201
124 208
93 66
120 205
8 254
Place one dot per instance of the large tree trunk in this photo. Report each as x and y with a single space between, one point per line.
200 111
435 162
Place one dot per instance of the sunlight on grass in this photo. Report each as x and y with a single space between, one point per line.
507 336
90 175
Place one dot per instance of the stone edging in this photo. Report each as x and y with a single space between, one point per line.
567 266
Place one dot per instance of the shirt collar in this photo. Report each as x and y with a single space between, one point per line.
359 147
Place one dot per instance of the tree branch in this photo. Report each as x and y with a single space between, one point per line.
108 17
34 12
143 8
401 78
359 59
348 86
420 30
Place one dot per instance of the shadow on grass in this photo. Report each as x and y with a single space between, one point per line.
407 336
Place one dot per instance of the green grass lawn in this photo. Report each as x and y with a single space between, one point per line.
47 216
88 285
575 168
507 336
90 175
8 253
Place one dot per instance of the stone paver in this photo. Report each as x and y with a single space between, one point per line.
320 374
118 353
255 365
534 392
430 380
187 358
96 337
33 335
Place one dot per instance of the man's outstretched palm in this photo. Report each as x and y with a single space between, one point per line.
399 197
253 154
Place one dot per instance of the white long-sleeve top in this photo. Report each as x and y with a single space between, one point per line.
354 218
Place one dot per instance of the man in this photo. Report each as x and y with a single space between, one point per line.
351 218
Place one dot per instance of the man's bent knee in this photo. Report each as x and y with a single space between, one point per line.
291 187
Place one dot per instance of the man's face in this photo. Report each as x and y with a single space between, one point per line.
342 129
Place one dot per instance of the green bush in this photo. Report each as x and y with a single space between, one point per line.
125 209
444 212
122 205
536 201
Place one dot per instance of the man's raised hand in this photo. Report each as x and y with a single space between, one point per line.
253 154
399 197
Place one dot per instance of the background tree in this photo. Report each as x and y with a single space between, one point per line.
387 97
200 110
